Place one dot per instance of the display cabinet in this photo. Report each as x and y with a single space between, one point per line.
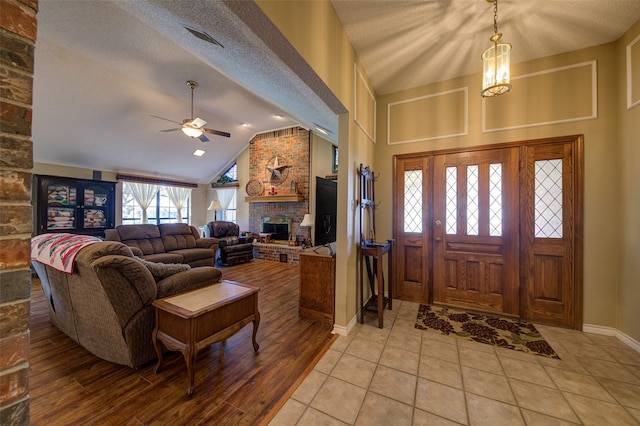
71 205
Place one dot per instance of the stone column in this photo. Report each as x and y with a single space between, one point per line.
17 43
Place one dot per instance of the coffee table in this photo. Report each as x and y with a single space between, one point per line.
190 321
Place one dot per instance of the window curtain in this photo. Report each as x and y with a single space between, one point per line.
225 196
144 195
178 197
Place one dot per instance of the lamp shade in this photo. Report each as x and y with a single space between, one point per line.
215 205
307 220
192 132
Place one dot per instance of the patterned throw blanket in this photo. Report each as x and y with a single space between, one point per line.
59 250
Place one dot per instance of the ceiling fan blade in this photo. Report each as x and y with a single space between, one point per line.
217 132
169 130
203 138
198 122
166 119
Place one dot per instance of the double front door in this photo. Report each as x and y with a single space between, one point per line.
492 229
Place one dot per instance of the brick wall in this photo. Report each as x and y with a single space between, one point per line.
291 145
17 38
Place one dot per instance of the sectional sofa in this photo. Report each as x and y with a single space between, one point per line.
166 243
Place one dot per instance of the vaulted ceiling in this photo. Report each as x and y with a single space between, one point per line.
104 67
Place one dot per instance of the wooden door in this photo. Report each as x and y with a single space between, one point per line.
412 230
475 230
551 213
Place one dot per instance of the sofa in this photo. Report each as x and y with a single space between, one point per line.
166 243
233 248
105 304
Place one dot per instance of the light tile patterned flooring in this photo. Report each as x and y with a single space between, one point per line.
403 376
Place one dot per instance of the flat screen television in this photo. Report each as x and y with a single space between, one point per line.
326 209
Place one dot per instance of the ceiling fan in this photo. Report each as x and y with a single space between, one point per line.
193 127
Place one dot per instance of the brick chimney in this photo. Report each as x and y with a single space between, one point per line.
17 38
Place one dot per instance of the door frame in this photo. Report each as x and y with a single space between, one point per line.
577 143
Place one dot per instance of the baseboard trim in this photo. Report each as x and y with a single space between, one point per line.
344 331
610 331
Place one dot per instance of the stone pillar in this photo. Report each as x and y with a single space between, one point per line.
17 43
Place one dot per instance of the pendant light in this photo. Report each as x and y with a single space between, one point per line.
496 62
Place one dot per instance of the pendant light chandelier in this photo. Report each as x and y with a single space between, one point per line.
496 62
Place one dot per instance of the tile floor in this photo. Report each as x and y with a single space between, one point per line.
403 376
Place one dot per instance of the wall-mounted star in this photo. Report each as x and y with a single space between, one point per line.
279 172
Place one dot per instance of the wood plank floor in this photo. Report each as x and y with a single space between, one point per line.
233 385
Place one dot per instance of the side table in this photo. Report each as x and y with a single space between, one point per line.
190 321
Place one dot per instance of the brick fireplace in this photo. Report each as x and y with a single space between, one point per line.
291 146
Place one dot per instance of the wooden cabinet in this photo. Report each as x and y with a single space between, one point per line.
75 206
317 284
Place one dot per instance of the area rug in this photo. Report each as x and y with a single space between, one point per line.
505 333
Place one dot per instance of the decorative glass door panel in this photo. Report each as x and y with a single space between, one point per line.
61 207
475 230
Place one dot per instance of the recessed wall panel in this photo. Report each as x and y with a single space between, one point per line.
365 105
556 95
436 116
633 73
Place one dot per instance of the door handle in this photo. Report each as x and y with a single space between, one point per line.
438 222
438 239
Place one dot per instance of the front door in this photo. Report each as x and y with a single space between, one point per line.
475 230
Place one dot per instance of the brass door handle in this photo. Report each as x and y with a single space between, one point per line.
438 239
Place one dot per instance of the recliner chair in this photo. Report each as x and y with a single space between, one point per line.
232 248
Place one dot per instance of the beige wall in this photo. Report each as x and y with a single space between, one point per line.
628 297
315 31
321 162
199 195
601 232
610 142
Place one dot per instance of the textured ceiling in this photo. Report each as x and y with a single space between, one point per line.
103 67
405 44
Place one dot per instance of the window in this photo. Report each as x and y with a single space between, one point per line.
334 159
230 212
161 209
231 175
227 196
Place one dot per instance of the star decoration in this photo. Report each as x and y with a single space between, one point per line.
277 171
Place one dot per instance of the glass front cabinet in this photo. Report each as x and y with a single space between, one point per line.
75 206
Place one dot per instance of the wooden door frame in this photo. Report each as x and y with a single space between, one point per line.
577 142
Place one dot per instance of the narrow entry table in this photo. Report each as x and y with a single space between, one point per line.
376 303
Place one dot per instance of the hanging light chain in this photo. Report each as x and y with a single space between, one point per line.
495 16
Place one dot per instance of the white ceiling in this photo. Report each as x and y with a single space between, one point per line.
103 67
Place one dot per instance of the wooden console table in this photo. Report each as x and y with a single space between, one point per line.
377 302
190 321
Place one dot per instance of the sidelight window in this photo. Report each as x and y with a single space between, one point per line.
548 198
413 201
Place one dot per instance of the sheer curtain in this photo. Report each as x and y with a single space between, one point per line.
143 194
225 196
178 197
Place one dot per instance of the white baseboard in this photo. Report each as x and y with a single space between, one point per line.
610 331
344 331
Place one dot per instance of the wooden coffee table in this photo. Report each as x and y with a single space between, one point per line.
190 321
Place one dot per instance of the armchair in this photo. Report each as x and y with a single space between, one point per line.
232 248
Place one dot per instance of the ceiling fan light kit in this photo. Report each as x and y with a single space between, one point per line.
194 127
496 74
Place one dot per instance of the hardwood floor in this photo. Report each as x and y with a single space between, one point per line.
233 385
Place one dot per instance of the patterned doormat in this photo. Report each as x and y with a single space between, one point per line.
491 330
